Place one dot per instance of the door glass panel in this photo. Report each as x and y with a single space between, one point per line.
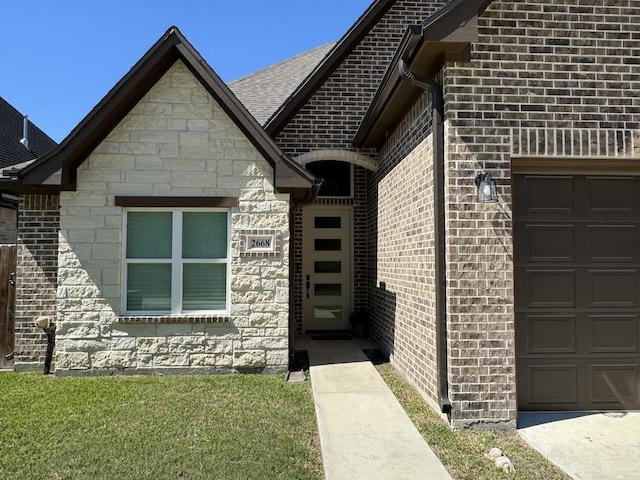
327 222
327 244
327 312
325 289
327 267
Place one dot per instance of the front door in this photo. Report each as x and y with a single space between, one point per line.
326 268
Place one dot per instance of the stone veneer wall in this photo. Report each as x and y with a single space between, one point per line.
36 277
8 225
176 142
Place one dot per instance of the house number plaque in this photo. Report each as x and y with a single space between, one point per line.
260 243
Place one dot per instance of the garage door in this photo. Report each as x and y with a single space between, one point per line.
577 285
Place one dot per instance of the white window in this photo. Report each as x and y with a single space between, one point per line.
176 261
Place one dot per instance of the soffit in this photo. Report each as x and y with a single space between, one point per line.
446 36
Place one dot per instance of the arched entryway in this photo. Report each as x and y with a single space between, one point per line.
332 241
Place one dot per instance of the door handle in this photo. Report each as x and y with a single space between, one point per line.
308 285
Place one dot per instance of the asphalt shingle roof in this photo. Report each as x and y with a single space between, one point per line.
264 91
12 151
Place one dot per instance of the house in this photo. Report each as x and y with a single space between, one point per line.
480 204
20 141
171 164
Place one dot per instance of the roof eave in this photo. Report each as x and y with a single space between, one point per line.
284 167
105 115
444 37
406 49
128 92
50 187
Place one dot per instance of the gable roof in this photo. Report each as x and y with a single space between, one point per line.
324 70
57 170
12 152
444 36
263 92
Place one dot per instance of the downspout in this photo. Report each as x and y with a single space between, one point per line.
437 99
310 198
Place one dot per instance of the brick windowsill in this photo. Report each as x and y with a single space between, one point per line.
149 319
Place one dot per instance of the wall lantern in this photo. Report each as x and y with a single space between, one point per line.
486 188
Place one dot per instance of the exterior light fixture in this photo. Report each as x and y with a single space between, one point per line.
486 189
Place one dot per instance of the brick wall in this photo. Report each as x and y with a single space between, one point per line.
331 117
401 243
8 225
549 65
36 276
360 239
546 66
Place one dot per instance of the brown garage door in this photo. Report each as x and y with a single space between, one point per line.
577 281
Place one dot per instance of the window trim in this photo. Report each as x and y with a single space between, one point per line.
176 260
352 179
174 202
